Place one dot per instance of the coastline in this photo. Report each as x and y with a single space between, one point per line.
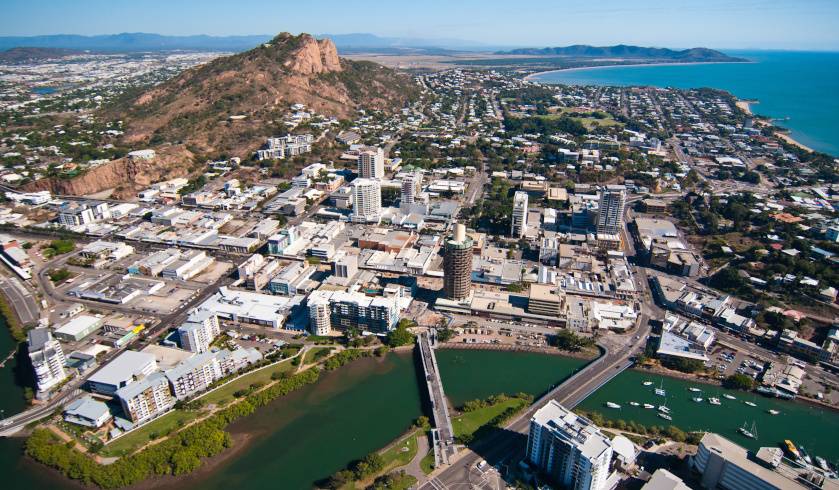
745 106
530 77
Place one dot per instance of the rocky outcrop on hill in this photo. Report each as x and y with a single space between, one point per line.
124 175
259 86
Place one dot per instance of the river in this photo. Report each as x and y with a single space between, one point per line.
13 376
313 432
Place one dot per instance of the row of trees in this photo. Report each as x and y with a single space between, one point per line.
181 454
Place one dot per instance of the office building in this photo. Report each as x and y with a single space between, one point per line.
353 310
569 449
518 224
147 398
544 299
371 163
610 214
198 331
367 201
721 463
457 264
75 214
345 266
47 358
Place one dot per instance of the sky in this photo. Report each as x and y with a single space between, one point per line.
732 24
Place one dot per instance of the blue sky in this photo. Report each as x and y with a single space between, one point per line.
767 24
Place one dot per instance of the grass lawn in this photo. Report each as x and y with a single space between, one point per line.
397 456
588 122
427 463
225 394
469 422
316 354
129 443
394 457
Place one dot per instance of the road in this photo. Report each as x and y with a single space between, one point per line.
21 300
510 442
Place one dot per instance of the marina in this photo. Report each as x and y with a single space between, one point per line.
796 421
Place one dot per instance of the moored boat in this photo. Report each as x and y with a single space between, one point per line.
730 397
648 406
751 404
695 390
635 404
698 399
714 401
612 405
647 383
665 416
773 412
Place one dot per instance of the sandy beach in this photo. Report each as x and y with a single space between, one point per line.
745 106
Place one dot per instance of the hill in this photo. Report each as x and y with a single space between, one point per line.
194 108
29 55
629 52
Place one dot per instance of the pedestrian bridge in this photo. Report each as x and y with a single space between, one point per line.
442 434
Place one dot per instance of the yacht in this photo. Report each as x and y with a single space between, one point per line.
822 463
660 390
751 404
773 412
714 401
612 405
663 409
805 455
750 433
648 406
730 397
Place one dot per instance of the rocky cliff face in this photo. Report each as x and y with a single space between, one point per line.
126 176
310 57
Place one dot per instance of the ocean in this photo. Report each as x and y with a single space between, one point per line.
800 89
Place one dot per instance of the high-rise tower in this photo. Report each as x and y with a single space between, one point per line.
457 264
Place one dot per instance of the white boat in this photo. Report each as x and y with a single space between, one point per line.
695 390
750 433
730 397
714 401
660 390
635 404
773 412
663 409
648 406
698 399
822 463
665 416
750 404
612 405
647 383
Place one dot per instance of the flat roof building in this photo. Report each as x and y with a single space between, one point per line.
121 372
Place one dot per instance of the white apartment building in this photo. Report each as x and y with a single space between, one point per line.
199 331
76 215
610 215
518 225
371 163
194 375
47 358
320 313
367 201
411 187
569 449
146 398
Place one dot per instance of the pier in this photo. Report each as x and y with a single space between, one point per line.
442 435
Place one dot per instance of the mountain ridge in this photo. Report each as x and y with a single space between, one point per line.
627 51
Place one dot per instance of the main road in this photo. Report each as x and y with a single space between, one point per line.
510 441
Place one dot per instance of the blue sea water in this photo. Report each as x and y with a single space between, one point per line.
800 86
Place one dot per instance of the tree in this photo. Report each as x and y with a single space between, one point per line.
739 382
400 335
